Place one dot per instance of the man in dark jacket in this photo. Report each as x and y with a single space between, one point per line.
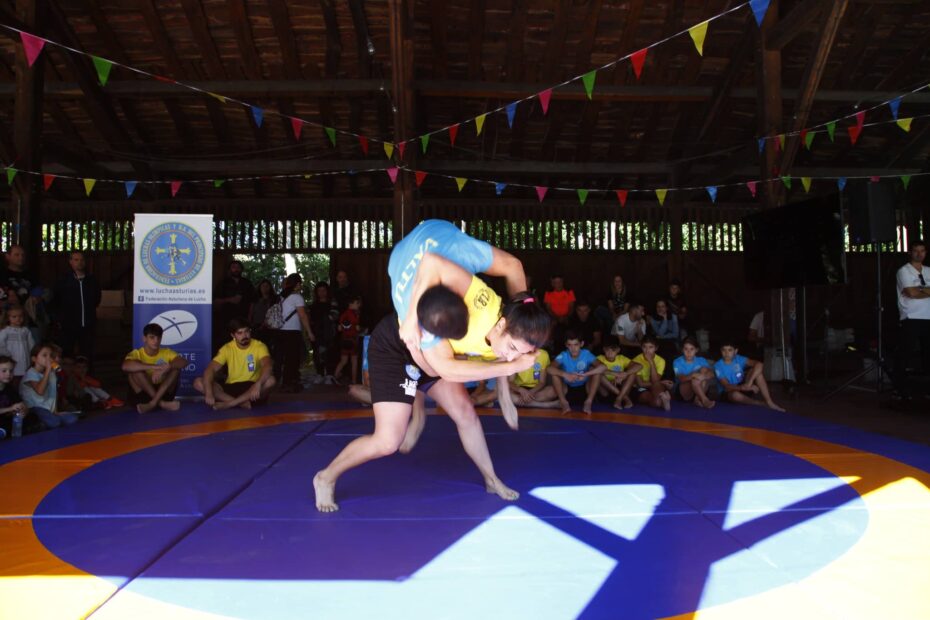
77 296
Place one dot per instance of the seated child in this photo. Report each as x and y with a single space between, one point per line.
91 386
651 388
618 374
10 403
39 389
693 376
571 374
530 388
738 385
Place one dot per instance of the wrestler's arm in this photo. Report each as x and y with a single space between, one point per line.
441 359
510 268
432 271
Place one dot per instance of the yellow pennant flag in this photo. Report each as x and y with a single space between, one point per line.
89 185
698 33
388 149
219 98
479 123
460 182
806 182
905 123
660 194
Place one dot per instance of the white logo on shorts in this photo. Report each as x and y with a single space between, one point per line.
410 387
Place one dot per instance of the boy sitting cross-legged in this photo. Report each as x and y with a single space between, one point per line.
652 389
571 374
694 376
738 385
618 374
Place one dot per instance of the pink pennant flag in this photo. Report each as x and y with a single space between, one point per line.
363 142
622 196
860 119
875 179
854 133
32 45
544 98
47 180
453 131
166 80
420 177
175 186
639 59
752 188
400 148
392 172
541 192
297 126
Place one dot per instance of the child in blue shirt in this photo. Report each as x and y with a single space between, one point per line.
738 384
39 389
618 374
693 376
572 376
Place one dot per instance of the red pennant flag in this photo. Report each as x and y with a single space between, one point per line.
175 186
420 177
854 133
47 180
752 188
453 131
803 135
166 80
363 142
638 59
544 98
32 45
541 192
622 195
400 148
860 119
875 179
297 126
392 172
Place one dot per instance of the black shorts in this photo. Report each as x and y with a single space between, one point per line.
348 346
393 375
134 398
576 394
238 389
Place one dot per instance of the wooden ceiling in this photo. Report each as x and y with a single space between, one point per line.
690 120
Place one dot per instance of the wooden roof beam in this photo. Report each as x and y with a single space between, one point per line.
794 23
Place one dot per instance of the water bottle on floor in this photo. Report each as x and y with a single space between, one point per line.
17 430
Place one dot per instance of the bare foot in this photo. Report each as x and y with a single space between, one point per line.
772 405
618 404
412 436
666 399
170 405
587 407
501 490
220 405
566 408
711 403
325 494
697 402
146 407
246 404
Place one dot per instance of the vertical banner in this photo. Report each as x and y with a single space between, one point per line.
173 286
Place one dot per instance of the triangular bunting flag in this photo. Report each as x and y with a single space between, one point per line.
759 7
10 175
582 196
47 180
638 59
895 105
544 98
331 134
258 115
809 138
479 123
875 179
860 119
131 187
392 172
168 80
424 142
781 142
786 181
752 187
460 182
660 194
363 143
219 98
854 132
401 147
511 111
217 183
89 185
841 183
175 186
420 177
297 126
622 195
712 191
806 183
389 149
761 145
831 129
541 192
32 46
453 132
588 80
499 188
698 33
103 69
906 179
803 136
905 123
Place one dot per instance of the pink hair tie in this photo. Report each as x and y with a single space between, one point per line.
529 300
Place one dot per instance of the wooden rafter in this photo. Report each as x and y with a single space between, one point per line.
794 23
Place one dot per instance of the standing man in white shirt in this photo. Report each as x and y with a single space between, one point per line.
914 307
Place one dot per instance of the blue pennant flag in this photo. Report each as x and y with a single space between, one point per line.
712 190
258 115
759 7
130 188
841 183
499 187
761 145
511 110
894 104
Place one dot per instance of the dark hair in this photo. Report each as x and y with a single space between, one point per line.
153 329
527 320
582 302
6 359
675 282
728 342
258 289
611 342
649 339
355 298
290 284
573 335
235 262
38 348
913 244
443 313
691 341
235 324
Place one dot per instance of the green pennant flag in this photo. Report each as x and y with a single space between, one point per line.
424 142
660 194
331 133
806 182
582 195
809 139
906 179
218 182
103 69
10 175
89 185
786 181
588 79
479 123
831 129
460 182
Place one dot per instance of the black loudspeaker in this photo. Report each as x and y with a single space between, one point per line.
871 212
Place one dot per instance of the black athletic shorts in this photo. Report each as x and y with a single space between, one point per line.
576 394
241 387
393 375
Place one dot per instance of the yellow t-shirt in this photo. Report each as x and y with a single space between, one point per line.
620 362
242 364
164 356
529 378
644 372
484 310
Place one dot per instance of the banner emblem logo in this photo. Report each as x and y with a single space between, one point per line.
172 254
178 326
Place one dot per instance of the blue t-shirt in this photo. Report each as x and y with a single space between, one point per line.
684 367
579 364
365 340
33 398
441 238
733 372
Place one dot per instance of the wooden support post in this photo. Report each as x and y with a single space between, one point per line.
405 214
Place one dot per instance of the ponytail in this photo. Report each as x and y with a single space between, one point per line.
527 320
